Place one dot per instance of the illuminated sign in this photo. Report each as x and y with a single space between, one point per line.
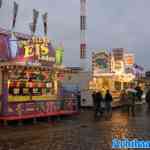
36 48
59 55
129 59
118 67
118 53
101 63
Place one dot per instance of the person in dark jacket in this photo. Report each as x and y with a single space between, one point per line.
147 98
98 100
94 99
108 99
139 93
79 100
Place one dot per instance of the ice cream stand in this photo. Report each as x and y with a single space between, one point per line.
29 81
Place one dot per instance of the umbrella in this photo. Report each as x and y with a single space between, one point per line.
131 90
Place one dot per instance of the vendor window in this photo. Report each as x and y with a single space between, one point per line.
117 85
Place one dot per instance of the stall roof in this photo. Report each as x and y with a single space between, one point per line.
17 34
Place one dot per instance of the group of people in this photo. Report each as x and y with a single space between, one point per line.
102 102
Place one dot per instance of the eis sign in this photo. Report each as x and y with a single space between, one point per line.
38 49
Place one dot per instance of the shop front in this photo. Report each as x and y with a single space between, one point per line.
108 70
30 84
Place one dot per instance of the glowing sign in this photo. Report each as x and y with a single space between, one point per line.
129 59
101 63
118 53
59 55
118 67
37 48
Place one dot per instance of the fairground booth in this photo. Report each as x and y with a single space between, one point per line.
112 70
30 79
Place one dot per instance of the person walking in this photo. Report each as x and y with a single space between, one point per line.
147 98
79 100
139 93
94 99
98 100
123 97
131 94
108 100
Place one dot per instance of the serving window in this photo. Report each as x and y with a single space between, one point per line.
27 83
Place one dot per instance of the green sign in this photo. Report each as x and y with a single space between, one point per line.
59 55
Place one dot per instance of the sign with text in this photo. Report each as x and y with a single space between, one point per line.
37 49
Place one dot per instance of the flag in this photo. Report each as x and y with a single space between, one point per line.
0 3
35 17
45 16
15 11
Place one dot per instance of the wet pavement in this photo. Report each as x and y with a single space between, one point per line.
77 133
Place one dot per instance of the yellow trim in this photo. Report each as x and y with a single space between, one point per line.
27 98
18 98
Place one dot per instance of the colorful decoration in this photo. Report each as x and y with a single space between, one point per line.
45 17
15 11
59 55
35 17
101 63
129 59
36 49
118 53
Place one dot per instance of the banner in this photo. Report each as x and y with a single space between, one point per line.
129 59
15 11
35 17
100 63
45 17
118 53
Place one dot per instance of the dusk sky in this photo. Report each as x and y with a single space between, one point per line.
110 24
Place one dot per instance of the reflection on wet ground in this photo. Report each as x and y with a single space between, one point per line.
77 133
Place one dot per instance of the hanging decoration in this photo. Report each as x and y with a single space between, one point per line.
59 55
15 12
35 17
45 21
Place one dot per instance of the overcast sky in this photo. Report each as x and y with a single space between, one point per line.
111 23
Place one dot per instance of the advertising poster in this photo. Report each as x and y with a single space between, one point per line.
101 63
118 53
129 59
